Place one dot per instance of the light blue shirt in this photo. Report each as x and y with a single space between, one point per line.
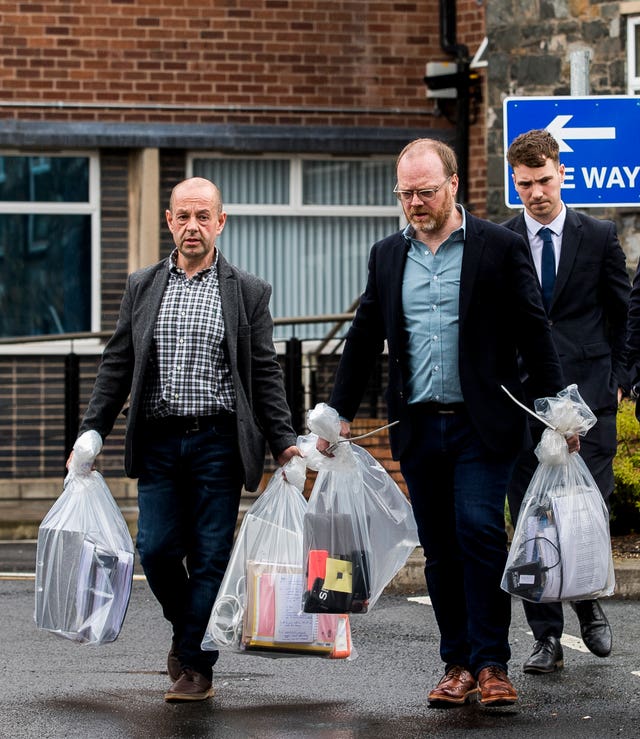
430 305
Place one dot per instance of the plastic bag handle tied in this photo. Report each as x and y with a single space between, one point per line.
361 436
528 410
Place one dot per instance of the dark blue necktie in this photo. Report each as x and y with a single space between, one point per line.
548 269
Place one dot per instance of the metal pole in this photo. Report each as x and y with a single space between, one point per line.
71 401
293 382
579 61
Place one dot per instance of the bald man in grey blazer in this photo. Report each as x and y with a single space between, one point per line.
193 351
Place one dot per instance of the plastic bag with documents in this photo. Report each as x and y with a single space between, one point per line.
257 609
359 527
561 548
84 558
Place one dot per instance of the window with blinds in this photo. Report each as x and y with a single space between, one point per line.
305 225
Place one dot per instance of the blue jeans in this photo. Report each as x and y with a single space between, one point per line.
188 499
458 495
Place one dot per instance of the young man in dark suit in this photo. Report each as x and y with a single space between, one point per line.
455 298
193 352
585 287
633 340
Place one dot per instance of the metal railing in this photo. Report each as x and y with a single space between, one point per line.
300 367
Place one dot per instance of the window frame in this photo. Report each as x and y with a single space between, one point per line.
296 207
633 55
91 207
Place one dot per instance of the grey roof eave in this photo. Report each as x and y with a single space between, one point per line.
21 134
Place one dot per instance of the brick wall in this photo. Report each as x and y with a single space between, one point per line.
228 53
471 31
285 62
378 446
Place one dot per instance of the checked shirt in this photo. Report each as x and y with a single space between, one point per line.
188 371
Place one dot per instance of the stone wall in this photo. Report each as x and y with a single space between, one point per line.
530 46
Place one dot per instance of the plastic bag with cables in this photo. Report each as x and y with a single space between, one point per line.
561 548
257 609
359 527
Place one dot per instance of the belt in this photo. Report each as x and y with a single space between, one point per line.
439 408
188 424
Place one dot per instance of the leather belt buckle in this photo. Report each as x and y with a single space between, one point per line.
192 425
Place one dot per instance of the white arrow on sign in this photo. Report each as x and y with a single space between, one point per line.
557 129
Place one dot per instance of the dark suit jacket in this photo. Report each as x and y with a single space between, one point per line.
261 407
501 313
588 311
633 338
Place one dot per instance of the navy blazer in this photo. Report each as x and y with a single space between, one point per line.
261 407
501 314
588 310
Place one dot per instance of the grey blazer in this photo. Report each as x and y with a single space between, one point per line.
261 409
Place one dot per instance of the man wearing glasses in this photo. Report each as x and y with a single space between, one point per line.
455 297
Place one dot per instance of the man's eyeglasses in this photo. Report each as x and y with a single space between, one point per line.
425 195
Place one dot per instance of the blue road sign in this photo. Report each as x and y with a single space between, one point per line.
599 138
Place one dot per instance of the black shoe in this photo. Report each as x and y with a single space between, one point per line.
594 627
546 657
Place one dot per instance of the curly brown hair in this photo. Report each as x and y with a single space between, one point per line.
533 148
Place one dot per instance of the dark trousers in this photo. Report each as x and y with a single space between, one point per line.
597 448
458 494
188 498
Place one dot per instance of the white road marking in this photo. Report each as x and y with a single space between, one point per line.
32 576
570 642
423 600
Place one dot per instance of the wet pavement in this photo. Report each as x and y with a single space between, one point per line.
54 688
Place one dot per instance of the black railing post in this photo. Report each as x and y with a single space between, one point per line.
71 401
375 387
293 382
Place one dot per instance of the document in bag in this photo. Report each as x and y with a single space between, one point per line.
584 542
273 618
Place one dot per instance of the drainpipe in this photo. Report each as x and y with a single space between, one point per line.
449 44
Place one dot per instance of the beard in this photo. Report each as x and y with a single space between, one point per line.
430 220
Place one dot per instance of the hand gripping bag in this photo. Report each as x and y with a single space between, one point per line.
359 527
561 548
84 556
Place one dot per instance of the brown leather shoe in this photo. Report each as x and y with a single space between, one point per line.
495 687
173 662
454 688
190 686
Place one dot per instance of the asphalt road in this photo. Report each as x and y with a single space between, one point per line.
54 688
